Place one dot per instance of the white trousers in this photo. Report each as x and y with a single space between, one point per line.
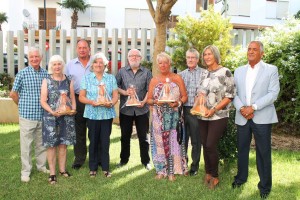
31 131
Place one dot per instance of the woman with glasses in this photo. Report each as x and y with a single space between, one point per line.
98 90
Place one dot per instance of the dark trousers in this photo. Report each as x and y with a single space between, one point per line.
99 134
80 149
142 127
262 136
211 133
192 131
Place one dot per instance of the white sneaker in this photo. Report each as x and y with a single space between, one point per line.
44 170
148 167
25 179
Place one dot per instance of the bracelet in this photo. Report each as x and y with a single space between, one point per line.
179 103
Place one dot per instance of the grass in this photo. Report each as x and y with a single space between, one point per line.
133 181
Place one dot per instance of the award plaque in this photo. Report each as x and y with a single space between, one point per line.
103 98
200 107
64 106
133 99
166 94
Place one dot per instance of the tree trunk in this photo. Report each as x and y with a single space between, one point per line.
159 43
161 18
74 18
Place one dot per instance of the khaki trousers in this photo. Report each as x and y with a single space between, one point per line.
31 131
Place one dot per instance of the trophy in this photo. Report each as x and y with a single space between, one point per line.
133 99
200 107
64 106
103 98
166 94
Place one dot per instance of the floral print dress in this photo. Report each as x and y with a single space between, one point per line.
169 157
57 130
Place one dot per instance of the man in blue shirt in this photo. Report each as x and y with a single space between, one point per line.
138 76
77 69
26 94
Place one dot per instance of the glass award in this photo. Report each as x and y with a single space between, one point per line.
133 99
103 97
63 105
166 94
200 106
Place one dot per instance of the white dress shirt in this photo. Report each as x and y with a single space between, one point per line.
250 79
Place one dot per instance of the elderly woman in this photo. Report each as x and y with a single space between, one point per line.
58 128
169 157
217 84
98 90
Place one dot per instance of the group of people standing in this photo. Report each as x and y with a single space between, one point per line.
253 90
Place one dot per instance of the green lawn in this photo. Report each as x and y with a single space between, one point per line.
133 181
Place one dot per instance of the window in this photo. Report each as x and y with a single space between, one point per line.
92 17
277 9
239 7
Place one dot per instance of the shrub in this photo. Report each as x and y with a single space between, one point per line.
210 28
228 145
282 44
6 82
282 49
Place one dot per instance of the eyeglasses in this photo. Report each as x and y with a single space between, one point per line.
190 58
136 56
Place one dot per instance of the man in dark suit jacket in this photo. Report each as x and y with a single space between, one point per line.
257 86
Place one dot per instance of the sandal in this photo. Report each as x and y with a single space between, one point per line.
159 176
52 179
65 174
93 174
107 174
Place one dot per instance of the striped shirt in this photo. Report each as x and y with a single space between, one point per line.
77 71
28 85
191 80
140 80
90 83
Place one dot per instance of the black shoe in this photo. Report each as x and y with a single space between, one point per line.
76 166
264 195
236 185
193 173
121 164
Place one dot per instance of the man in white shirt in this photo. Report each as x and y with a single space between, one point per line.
257 86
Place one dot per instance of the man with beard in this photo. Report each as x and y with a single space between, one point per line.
131 79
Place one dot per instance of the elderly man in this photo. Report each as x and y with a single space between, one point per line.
78 68
257 86
26 94
139 77
191 77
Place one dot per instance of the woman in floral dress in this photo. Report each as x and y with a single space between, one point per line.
169 157
58 128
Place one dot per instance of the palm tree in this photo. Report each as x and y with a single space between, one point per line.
3 18
75 5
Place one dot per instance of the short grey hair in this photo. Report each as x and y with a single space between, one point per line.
99 55
56 58
215 51
131 50
261 46
34 49
163 55
193 51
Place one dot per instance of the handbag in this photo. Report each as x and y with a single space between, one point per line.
180 126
